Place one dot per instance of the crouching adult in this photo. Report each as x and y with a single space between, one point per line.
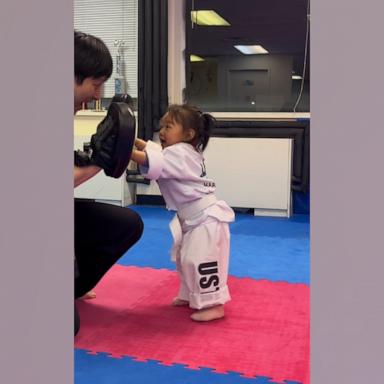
103 232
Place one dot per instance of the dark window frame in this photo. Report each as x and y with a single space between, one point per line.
152 65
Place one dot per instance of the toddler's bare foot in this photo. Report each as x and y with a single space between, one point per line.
179 302
89 296
208 314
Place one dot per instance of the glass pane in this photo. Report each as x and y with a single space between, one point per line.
220 77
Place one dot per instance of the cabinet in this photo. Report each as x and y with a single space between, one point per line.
252 173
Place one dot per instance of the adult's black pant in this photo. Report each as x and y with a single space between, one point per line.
103 233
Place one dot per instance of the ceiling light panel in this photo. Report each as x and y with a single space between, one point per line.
194 58
251 49
208 17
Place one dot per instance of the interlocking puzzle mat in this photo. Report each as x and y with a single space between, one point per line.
264 336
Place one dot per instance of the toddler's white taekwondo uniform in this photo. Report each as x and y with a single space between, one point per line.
200 227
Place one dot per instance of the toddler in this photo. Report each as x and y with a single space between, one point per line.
200 227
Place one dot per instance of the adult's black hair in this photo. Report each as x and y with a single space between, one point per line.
92 57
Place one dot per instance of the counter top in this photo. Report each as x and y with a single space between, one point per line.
90 112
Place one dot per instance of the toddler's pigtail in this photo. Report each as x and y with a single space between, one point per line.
208 123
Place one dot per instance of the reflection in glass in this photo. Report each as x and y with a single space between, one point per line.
257 63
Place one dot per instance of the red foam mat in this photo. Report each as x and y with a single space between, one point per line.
265 331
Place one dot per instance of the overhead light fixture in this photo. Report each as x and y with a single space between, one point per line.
251 49
296 77
208 17
194 58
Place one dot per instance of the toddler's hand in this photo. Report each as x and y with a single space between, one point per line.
140 144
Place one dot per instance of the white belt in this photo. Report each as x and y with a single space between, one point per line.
196 206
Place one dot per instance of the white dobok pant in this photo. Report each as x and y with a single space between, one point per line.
201 252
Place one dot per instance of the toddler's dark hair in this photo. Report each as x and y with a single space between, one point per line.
190 117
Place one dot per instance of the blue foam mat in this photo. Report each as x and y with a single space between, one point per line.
276 249
102 369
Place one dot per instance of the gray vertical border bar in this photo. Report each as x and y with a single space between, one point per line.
36 236
347 257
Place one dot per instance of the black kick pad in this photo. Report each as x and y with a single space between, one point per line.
114 139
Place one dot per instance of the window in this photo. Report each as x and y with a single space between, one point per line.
223 75
116 23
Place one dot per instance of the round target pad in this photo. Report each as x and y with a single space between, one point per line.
112 144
